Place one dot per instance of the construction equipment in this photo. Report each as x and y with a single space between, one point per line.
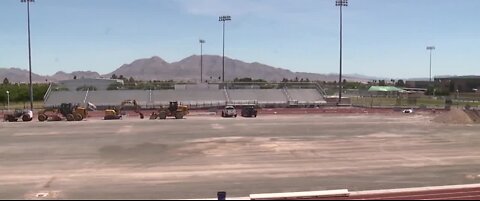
173 110
117 112
25 115
66 110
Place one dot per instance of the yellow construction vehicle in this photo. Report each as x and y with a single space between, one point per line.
174 110
117 112
67 110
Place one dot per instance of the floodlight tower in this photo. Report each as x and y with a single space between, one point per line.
341 4
430 48
224 19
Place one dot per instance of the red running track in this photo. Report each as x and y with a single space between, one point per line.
445 194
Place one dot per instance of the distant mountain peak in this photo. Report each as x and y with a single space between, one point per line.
156 58
187 69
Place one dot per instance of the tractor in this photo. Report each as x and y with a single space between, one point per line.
173 110
66 110
117 112
25 115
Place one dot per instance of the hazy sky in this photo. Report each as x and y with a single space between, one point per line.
381 38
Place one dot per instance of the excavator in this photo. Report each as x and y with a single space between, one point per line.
173 110
117 112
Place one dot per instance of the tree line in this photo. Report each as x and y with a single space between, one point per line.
20 92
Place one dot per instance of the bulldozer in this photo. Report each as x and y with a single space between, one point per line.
117 112
66 110
173 110
25 115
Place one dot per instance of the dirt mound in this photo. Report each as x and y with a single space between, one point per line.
454 116
474 115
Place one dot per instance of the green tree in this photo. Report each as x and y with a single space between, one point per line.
245 79
114 77
400 83
115 86
6 81
381 83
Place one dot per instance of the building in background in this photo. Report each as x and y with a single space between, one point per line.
469 83
417 83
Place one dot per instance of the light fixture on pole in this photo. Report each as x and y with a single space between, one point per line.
430 48
29 52
201 59
224 19
8 100
341 4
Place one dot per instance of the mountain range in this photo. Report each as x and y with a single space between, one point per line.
188 69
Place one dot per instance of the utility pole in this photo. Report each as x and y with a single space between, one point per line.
201 59
29 52
341 4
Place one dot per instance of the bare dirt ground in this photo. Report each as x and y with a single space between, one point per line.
198 156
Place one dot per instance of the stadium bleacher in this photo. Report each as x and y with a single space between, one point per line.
192 97
58 97
189 97
261 96
305 96
112 98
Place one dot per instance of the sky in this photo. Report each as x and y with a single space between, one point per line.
381 38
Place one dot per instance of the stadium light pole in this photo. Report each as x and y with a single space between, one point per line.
29 52
341 4
224 19
201 59
8 100
430 48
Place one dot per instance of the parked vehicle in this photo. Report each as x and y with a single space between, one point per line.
229 111
408 111
249 111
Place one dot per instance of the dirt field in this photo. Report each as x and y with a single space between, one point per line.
198 156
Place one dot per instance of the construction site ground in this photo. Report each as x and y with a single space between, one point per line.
200 155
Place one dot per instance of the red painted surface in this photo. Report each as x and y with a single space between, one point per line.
454 194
